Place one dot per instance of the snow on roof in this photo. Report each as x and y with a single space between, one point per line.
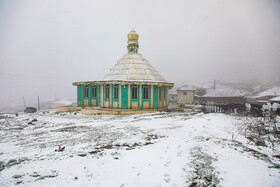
275 99
261 101
133 67
185 88
252 97
270 92
226 92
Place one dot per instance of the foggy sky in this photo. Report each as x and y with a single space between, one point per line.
46 45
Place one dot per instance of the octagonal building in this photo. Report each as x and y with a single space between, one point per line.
132 83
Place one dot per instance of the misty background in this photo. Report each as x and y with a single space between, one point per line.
47 45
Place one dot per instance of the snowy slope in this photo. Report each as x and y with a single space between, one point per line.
161 149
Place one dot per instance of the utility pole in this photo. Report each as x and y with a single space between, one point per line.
24 102
214 84
38 103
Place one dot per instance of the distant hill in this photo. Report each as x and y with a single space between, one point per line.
253 86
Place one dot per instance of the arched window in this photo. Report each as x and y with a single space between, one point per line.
116 91
106 91
134 91
86 91
145 92
93 91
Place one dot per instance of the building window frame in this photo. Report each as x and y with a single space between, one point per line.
185 92
116 91
86 91
134 92
145 92
106 91
93 91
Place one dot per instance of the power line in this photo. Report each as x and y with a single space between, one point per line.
32 79
10 76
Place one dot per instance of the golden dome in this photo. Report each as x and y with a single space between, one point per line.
132 36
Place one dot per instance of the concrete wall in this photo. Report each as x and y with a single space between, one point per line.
67 108
93 111
185 99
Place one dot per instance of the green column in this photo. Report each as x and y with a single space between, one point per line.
138 98
89 94
150 91
156 100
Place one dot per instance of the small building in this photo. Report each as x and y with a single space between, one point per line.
226 95
132 83
224 99
185 95
266 95
275 100
173 95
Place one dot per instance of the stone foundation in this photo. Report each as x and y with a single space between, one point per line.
92 111
67 109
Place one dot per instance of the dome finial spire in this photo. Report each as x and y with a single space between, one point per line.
132 42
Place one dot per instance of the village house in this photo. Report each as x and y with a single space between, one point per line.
132 84
265 96
173 95
275 100
224 99
226 95
185 95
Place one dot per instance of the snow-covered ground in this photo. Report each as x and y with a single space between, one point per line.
160 149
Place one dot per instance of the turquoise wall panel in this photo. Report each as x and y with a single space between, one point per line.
79 98
124 96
